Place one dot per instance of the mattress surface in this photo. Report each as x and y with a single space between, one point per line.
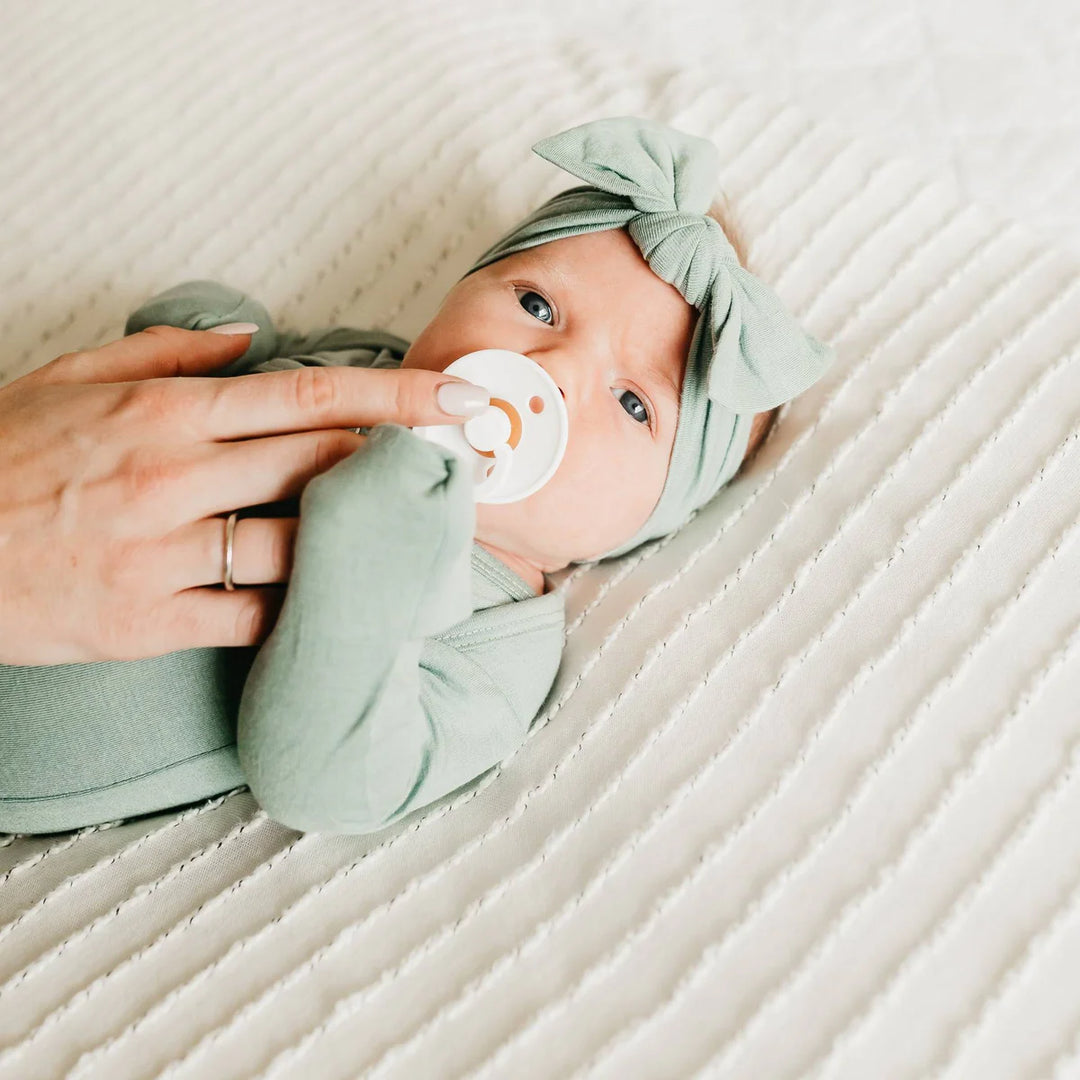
802 800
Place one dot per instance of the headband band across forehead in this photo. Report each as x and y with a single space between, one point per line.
748 353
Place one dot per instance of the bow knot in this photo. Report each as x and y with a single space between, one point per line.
687 250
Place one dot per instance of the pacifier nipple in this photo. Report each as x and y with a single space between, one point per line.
518 441
492 427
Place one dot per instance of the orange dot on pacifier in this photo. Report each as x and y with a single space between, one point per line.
536 403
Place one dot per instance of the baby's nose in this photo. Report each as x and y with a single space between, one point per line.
550 373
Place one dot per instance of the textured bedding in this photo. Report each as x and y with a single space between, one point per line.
802 800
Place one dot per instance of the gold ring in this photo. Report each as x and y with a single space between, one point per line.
230 527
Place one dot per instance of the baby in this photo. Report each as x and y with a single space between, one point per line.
418 638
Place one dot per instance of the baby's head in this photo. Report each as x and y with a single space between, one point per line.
671 356
614 337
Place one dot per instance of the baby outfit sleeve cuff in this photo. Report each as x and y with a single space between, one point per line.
202 305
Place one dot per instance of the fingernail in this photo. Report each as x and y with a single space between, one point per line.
235 328
462 398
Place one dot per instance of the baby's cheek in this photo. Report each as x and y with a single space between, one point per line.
588 498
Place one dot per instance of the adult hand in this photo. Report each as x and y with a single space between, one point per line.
112 471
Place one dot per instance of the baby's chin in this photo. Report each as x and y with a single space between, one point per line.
513 529
501 524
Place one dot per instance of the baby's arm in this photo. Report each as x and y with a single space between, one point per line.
201 305
349 719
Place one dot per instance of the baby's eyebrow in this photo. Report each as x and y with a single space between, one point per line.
550 265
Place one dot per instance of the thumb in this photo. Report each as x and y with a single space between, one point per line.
156 352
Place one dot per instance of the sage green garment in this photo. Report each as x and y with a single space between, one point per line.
406 660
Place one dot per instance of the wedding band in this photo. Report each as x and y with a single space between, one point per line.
230 527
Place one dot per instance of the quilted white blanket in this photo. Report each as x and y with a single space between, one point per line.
803 798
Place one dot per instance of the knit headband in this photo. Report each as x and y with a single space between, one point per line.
748 354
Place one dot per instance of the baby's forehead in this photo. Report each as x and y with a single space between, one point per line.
588 250
603 259
602 275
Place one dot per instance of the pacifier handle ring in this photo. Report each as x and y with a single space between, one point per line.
494 480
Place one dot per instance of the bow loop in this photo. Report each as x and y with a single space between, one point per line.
761 356
656 167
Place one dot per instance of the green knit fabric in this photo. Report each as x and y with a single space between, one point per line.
406 660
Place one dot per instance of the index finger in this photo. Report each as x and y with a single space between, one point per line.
308 398
156 352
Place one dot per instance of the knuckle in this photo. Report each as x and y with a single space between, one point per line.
67 366
213 406
331 447
146 471
283 547
153 401
316 390
120 567
164 331
213 546
405 397
248 620
186 624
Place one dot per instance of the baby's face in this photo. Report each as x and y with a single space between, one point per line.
614 337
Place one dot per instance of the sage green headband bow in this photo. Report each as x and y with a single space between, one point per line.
748 354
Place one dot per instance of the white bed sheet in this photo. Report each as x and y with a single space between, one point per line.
984 91
803 799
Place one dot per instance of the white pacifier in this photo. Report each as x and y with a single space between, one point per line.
516 444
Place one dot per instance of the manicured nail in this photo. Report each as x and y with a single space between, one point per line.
235 328
462 398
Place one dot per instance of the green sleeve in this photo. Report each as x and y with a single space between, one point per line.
201 305
349 718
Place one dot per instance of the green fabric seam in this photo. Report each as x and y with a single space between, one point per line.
115 783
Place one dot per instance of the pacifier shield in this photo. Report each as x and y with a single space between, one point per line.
523 432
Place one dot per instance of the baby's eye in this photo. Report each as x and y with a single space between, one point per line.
640 412
535 304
